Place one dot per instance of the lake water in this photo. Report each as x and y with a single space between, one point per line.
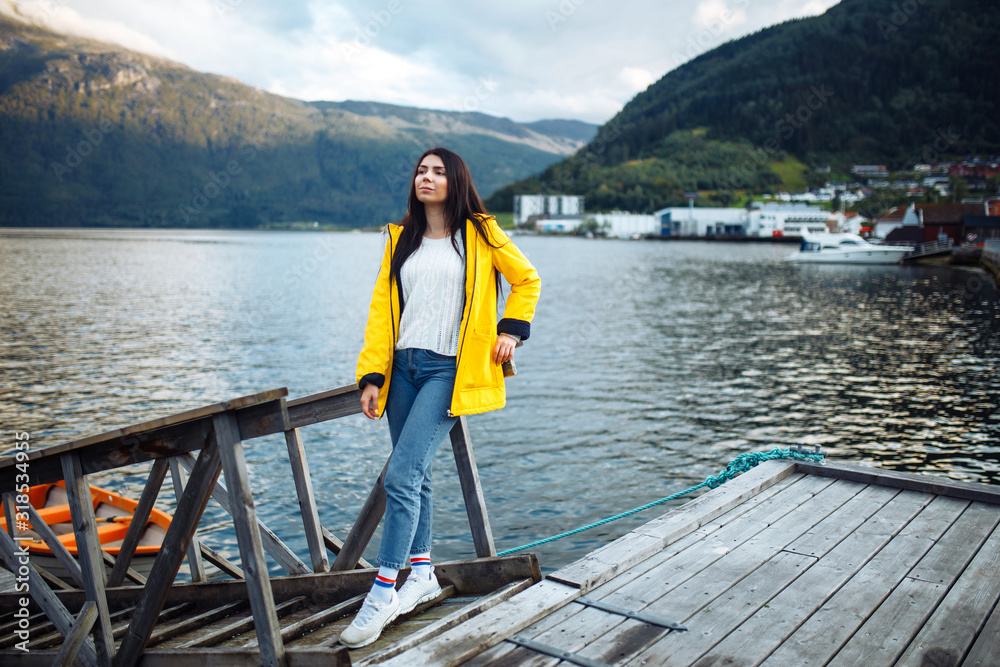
650 366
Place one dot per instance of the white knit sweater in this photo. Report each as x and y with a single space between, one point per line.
433 291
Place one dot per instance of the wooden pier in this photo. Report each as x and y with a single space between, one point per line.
789 563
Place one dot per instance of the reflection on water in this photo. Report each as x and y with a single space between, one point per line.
650 366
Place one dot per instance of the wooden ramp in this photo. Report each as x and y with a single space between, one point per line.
788 564
98 619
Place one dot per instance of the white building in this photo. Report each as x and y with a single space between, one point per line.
547 206
701 221
627 225
786 220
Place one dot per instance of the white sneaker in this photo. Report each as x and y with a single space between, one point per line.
417 590
370 621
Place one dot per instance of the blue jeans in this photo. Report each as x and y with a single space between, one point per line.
417 408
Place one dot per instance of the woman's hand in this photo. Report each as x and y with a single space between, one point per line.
504 349
369 401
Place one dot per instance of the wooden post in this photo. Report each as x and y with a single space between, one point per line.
364 526
88 549
9 513
17 562
334 544
139 519
77 636
168 561
272 649
472 490
307 501
193 550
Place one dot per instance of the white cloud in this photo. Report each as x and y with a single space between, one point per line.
718 17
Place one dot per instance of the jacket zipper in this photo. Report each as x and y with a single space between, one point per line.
461 339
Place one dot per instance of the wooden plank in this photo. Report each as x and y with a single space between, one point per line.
245 522
904 480
53 580
706 571
450 621
333 404
16 560
10 512
140 517
951 629
77 636
859 530
364 526
134 444
334 544
168 561
603 564
242 657
284 556
195 566
307 501
820 636
571 619
984 652
492 626
59 549
221 562
472 490
292 632
240 625
88 549
189 623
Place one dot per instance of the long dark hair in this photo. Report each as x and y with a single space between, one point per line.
463 203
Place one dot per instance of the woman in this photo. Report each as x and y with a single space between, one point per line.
433 351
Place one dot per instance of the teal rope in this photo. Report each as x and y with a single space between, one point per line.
740 464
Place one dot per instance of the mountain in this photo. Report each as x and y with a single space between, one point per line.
870 81
94 134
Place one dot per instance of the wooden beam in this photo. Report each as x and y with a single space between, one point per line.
16 560
77 636
364 527
333 404
195 565
284 556
334 544
903 480
168 561
10 513
259 415
132 575
241 625
272 649
58 549
307 501
88 550
53 580
221 562
139 519
472 490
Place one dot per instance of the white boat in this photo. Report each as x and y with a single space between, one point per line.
837 248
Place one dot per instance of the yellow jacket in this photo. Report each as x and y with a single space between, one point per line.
479 383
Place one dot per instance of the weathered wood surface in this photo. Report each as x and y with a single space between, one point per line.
831 569
195 564
902 480
77 637
59 549
472 490
258 415
244 514
307 500
88 549
327 405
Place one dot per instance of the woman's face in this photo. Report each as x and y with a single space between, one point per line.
431 183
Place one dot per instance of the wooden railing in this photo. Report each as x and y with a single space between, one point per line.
214 433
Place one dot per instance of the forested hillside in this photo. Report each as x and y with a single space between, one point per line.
869 81
92 134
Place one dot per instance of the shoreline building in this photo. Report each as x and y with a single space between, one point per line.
561 213
768 221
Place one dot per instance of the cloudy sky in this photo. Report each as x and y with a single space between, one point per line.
523 59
